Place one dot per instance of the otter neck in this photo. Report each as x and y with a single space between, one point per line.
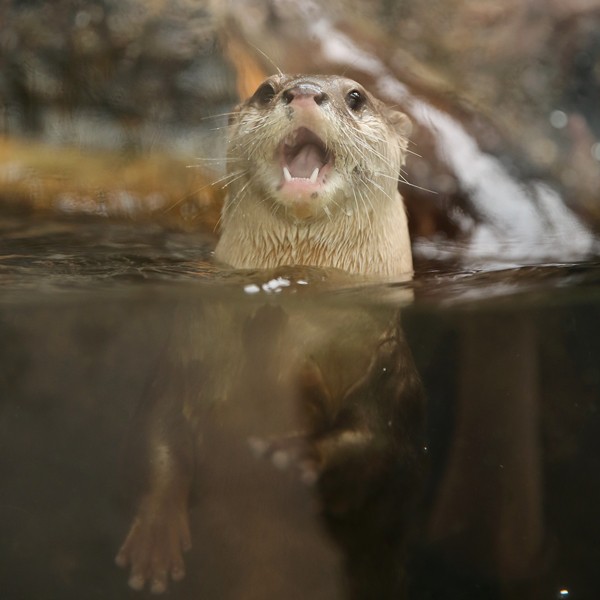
366 242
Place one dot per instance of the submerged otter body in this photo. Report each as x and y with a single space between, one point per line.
314 165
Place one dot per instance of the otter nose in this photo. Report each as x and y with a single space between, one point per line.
304 95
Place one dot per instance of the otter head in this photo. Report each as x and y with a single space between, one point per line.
306 152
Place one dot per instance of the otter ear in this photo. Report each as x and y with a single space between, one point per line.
400 122
402 126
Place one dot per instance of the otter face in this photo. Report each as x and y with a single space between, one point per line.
314 145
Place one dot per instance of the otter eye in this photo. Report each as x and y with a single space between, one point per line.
355 100
264 94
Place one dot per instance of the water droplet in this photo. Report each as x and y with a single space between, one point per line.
558 119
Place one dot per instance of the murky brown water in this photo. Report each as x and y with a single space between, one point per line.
486 487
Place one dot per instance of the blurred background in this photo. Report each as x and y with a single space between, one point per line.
117 109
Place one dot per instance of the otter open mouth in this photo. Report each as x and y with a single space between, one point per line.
304 158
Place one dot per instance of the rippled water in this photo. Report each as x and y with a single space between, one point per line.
490 492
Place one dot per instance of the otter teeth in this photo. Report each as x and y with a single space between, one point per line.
313 177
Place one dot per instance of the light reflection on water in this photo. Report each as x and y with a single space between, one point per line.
503 503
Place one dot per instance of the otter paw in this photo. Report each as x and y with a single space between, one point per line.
154 547
291 452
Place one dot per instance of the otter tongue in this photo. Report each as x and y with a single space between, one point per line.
309 158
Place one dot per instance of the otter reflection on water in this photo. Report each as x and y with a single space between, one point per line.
332 387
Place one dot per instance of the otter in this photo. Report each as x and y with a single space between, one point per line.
314 163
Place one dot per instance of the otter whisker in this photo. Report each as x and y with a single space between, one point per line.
405 181
200 189
279 71
233 202
363 152
368 148
382 190
232 176
207 159
413 153
418 187
240 175
217 116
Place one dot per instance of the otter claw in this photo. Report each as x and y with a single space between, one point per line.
159 584
178 573
136 582
121 560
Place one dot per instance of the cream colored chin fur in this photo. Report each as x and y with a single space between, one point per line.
371 243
